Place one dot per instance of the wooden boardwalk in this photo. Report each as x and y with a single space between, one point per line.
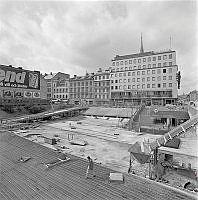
32 180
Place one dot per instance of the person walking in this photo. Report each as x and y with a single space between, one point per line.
90 168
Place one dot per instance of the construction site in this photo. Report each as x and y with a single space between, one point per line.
164 158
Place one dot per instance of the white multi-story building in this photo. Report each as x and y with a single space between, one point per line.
145 77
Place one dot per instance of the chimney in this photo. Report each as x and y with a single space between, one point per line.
75 76
50 73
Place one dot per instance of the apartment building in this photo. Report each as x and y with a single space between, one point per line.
102 87
81 89
57 85
145 77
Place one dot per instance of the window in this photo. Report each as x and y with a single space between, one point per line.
164 57
133 73
149 59
124 74
99 77
129 79
121 62
138 86
158 71
153 71
121 69
154 58
116 87
139 66
148 85
134 61
120 74
169 77
159 78
124 80
143 86
144 59
170 84
133 86
170 63
159 57
138 79
164 70
116 75
120 81
153 85
126 62
149 65
120 87
117 63
164 78
159 65
143 79
148 71
126 68
107 78
95 77
138 73
153 78
170 70
170 56
133 79
144 66
111 75
134 67
158 85
154 65
116 81
139 60
148 78
129 87
124 87
113 64
164 64
130 68
164 85
129 73
130 61
117 69
143 72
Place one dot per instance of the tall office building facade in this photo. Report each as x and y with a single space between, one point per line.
145 77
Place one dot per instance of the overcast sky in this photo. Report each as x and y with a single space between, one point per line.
75 37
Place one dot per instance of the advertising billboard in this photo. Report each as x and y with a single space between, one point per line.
19 78
8 94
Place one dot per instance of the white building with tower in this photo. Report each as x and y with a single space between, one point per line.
146 77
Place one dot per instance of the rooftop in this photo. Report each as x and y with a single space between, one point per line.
32 180
148 53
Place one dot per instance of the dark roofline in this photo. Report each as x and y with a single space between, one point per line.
148 53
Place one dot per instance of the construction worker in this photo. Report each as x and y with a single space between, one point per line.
90 168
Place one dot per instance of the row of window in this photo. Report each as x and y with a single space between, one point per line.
144 72
107 83
60 96
102 90
81 83
61 90
142 86
159 78
81 96
142 60
82 89
102 96
100 77
165 64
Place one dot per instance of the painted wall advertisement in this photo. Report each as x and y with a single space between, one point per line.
19 78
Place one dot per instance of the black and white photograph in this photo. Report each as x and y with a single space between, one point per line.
98 100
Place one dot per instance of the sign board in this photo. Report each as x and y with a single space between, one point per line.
19 78
8 94
27 94
18 94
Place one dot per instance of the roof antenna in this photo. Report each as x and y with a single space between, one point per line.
170 43
141 46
